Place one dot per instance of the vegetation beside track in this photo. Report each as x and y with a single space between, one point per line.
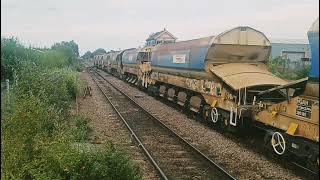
274 64
40 138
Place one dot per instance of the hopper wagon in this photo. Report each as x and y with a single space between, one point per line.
292 120
217 77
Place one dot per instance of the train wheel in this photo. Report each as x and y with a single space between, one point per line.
278 143
214 115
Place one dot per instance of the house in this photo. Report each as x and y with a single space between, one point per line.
160 37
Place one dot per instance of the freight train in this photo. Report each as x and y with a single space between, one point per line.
225 80
218 76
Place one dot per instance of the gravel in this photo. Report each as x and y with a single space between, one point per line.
107 126
239 160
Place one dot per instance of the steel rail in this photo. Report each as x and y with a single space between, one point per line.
152 161
206 158
306 169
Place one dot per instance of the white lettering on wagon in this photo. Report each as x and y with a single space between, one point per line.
304 108
179 58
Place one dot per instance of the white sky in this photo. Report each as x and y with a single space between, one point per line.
114 24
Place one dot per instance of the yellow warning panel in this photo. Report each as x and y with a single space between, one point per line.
292 128
274 113
214 103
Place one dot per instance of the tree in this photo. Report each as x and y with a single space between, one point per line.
13 53
70 49
87 55
99 51
67 45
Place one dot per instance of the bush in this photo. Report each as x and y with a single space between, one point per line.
24 133
304 72
38 140
53 59
81 128
105 163
273 65
12 55
57 87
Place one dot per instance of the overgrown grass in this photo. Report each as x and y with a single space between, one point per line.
81 128
38 133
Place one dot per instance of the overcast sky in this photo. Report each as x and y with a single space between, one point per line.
114 24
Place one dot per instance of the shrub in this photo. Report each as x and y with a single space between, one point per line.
38 140
107 162
37 144
13 53
23 131
304 72
53 59
57 87
81 128
301 72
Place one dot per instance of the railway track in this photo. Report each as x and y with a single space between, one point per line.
296 163
171 155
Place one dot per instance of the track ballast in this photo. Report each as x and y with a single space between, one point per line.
170 154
